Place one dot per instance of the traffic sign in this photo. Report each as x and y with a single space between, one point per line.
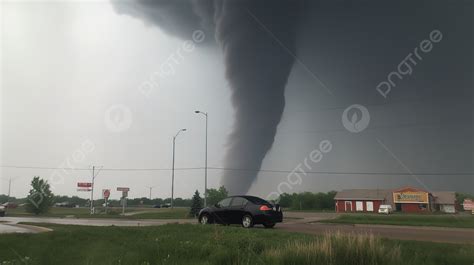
123 189
84 185
106 193
84 189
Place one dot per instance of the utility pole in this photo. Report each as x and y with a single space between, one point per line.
92 191
9 189
94 174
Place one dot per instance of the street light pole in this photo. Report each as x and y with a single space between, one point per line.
150 191
172 170
9 189
205 159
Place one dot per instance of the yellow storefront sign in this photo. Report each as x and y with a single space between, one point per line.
410 197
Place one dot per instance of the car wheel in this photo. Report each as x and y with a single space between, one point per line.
269 225
247 221
204 219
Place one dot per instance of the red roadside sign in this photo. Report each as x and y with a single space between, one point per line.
84 185
106 193
468 204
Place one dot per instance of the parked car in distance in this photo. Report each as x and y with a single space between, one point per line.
166 205
10 205
2 210
157 206
385 209
245 210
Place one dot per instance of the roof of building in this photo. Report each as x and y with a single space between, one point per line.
444 197
363 194
407 188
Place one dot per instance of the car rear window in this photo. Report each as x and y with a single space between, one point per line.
257 200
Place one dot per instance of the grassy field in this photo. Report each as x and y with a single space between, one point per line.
196 244
460 221
141 213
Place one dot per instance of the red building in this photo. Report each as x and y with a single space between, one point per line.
412 200
361 200
407 199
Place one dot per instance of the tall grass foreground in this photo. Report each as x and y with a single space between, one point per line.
336 248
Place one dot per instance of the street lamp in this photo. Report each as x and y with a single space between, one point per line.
205 160
150 191
172 171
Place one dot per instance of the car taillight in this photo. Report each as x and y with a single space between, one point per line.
265 208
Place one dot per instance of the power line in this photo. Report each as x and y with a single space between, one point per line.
103 169
259 170
341 173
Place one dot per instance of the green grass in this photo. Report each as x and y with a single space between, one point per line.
460 221
151 213
214 244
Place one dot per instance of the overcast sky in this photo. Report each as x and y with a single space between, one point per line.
68 67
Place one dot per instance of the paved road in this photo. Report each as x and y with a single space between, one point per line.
6 228
297 222
433 234
95 222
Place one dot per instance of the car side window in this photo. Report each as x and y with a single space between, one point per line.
238 201
224 202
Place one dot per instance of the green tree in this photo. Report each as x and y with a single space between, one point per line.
214 195
40 197
196 205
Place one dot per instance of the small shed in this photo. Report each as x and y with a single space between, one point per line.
445 201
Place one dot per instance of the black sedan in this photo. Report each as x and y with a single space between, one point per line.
244 210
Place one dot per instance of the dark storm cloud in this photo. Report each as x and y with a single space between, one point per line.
177 18
352 46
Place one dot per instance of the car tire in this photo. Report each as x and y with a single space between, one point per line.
247 221
2 214
205 219
269 225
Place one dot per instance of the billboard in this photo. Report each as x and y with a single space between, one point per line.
410 197
84 185
468 205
